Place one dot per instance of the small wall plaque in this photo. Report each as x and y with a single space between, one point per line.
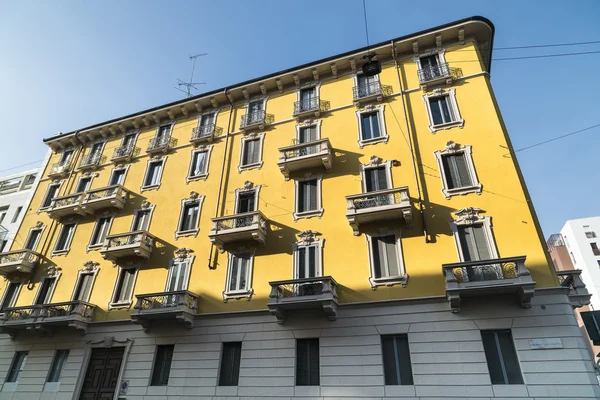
124 387
548 343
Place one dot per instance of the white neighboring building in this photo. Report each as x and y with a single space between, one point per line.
582 239
16 192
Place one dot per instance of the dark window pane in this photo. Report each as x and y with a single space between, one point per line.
230 364
58 364
397 366
162 365
307 362
11 292
16 366
436 113
501 357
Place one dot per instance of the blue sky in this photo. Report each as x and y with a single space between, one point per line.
69 64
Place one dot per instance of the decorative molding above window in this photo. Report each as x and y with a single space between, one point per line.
457 170
318 196
254 158
447 113
193 200
376 132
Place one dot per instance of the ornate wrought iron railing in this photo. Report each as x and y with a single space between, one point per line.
162 143
318 286
60 167
205 132
434 72
17 256
20 313
388 197
256 118
128 239
369 90
166 300
243 220
486 270
310 105
66 201
103 193
304 149
122 152
90 160
51 310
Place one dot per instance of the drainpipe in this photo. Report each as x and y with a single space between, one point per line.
212 246
410 144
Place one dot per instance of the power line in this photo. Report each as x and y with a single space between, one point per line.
528 57
23 165
557 138
534 46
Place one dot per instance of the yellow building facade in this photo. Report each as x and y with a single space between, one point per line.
396 185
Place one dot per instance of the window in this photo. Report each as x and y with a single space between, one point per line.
66 156
371 125
307 362
199 164
442 109
473 235
162 133
153 176
207 123
45 291
16 215
595 249
189 217
10 295
17 365
100 232
129 140
124 287
239 275
376 179
367 85
83 184
308 198
308 100
162 365
178 277
29 180
50 195
231 356
3 212
397 368
58 365
255 110
457 170
33 239
588 234
95 153
307 134
83 286
307 262
501 357
251 152
246 201
386 258
65 237
117 177
141 220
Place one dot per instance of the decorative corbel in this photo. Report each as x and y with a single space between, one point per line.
415 46
156 118
171 114
333 70
198 106
315 74
296 79
214 102
353 64
263 89
184 111
90 266
146 121
461 35
438 41
103 133
135 123
279 84
245 93
182 253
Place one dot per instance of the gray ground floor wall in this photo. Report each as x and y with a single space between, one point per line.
448 360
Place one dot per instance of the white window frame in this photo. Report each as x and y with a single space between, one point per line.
38 227
163 160
375 162
453 148
85 176
312 213
252 136
306 239
307 124
17 293
401 279
470 216
257 99
194 198
309 85
119 168
91 246
89 268
112 305
214 113
145 207
453 107
53 273
368 109
239 294
134 133
92 144
53 183
204 175
248 186
357 74
65 251
440 52
170 124
181 255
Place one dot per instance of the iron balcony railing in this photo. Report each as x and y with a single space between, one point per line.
123 152
379 198
304 149
146 303
47 312
293 288
129 239
243 220
162 143
256 118
486 270
60 168
90 160
207 132
367 90
314 104
434 72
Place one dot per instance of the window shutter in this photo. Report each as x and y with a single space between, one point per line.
60 358
255 151
42 297
370 179
483 249
451 173
307 362
243 271
11 291
235 265
444 104
378 256
390 369
127 286
467 243
301 196
230 364
501 357
312 262
162 365
381 175
86 287
391 255
367 132
314 362
463 172
301 263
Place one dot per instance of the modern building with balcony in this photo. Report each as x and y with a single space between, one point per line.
319 232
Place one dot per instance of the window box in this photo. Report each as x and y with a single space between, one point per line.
18 261
303 294
378 206
129 244
304 156
248 227
180 306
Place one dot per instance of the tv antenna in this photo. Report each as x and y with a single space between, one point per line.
191 84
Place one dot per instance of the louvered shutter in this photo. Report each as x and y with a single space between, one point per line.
451 173
378 256
467 243
301 263
483 250
391 255
382 183
235 265
312 262
11 290
463 172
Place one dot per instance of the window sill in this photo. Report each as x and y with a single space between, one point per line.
201 177
250 166
380 139
462 191
459 123
119 305
191 232
93 247
239 294
60 252
151 187
388 281
308 214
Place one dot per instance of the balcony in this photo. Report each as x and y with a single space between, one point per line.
488 278
18 261
378 206
373 91
160 144
205 133
245 227
127 245
256 120
578 294
310 107
302 295
123 154
59 169
95 200
65 206
90 161
180 306
47 318
435 74
303 156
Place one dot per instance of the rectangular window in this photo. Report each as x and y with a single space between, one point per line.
385 256
17 365
128 140
45 292
501 357
590 234
397 368
457 171
238 272
95 152
2 244
64 238
206 122
307 362
100 231
66 156
251 152
10 295
308 99
117 177
189 216
246 202
307 195
230 364
178 276
370 125
306 262
17 213
3 212
83 184
376 179
58 365
162 365
255 114
153 173
83 287
141 221
307 134
473 243
595 249
29 179
199 164
33 239
441 111
124 285
50 195
162 133
367 85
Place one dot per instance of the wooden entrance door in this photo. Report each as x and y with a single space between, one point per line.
102 374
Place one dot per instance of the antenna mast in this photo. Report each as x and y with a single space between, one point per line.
191 84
